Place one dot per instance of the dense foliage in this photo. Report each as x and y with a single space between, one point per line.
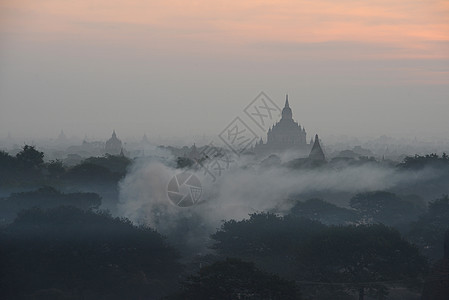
85 255
428 232
325 212
385 207
45 198
236 279
421 161
309 251
266 239
28 168
55 243
363 258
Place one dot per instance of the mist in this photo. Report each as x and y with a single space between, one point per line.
196 150
246 188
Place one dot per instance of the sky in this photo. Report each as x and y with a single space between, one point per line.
188 68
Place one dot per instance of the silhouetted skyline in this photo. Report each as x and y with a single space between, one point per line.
176 69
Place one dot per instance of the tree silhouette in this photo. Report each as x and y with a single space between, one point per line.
266 239
86 254
45 198
29 157
420 161
90 174
55 169
326 213
236 279
385 207
8 169
436 286
361 258
114 163
428 232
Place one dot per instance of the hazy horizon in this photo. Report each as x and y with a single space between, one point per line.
227 196
176 69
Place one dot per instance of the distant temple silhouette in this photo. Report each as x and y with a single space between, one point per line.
62 138
288 135
317 154
113 145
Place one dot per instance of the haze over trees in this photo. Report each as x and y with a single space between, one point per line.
28 168
83 255
45 198
365 259
56 240
236 279
353 258
386 208
428 231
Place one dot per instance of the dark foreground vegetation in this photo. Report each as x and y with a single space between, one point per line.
56 242
83 255
28 169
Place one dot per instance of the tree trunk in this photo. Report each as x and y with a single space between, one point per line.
361 293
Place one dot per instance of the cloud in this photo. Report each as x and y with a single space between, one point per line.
401 23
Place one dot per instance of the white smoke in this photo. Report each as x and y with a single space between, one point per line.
237 193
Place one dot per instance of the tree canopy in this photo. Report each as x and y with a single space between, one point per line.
429 160
325 212
428 232
385 207
266 239
84 254
29 157
361 257
236 279
306 250
45 198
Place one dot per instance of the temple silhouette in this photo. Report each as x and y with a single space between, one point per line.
113 145
288 135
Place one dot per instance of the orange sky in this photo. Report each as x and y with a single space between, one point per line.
128 61
415 29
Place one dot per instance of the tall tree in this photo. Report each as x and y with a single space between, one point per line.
29 157
266 239
85 254
360 258
236 279
385 207
326 213
428 232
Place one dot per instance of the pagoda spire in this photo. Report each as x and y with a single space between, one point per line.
317 153
287 111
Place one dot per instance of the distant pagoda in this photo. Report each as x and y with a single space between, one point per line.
285 135
113 145
317 154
